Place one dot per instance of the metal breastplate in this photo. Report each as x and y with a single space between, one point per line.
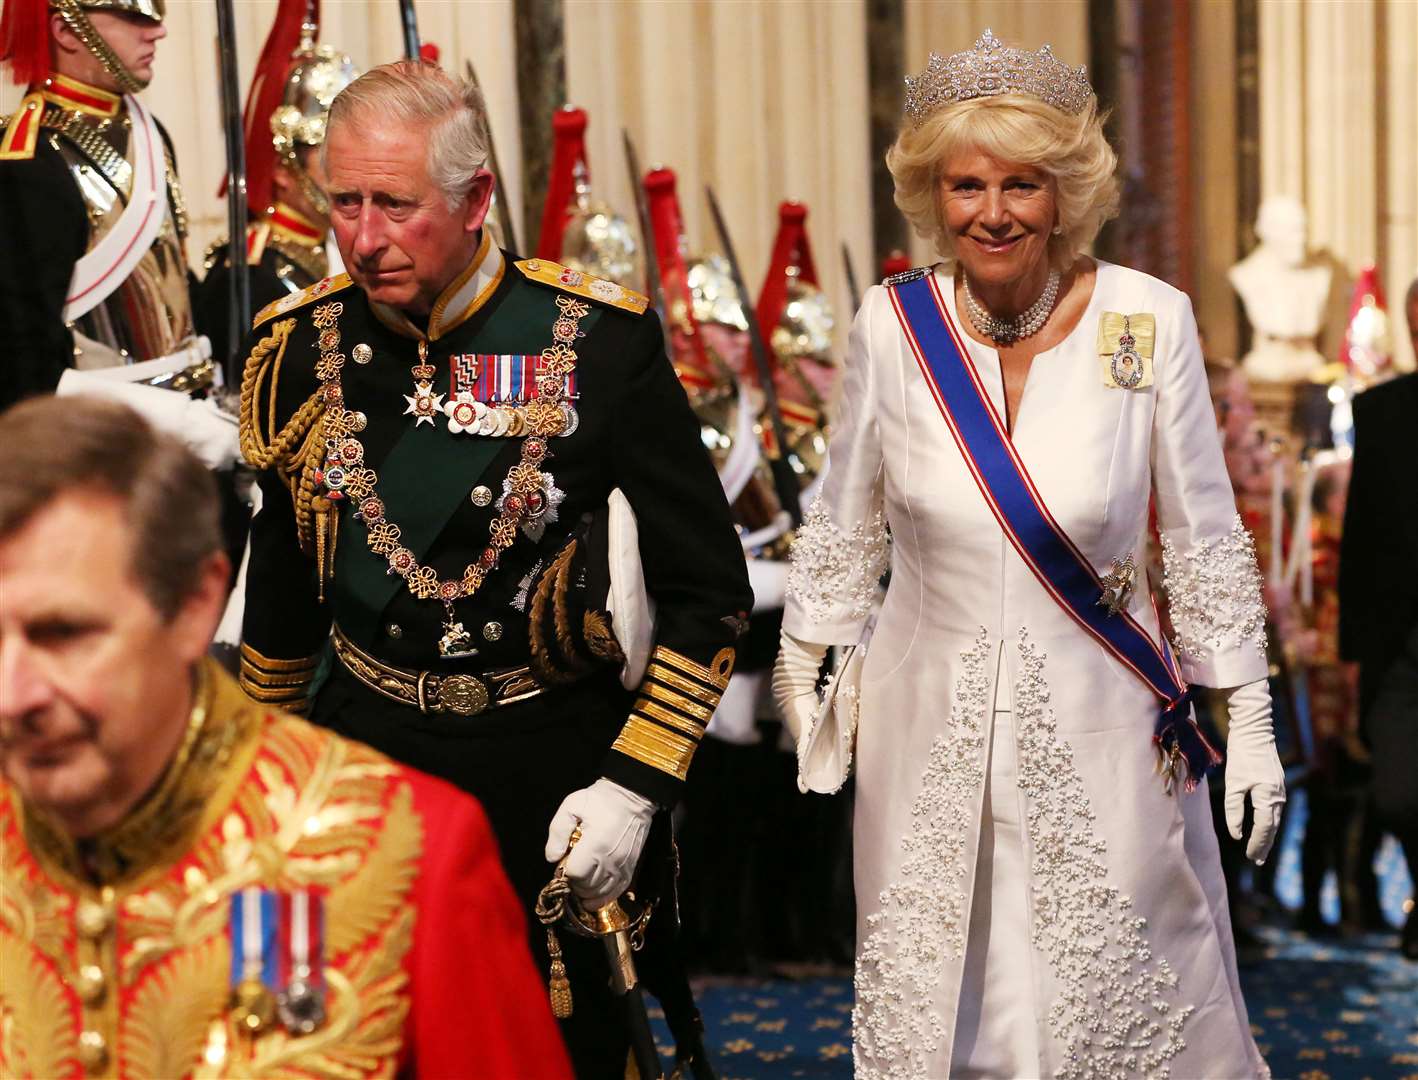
150 314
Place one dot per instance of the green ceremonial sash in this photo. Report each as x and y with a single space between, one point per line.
421 499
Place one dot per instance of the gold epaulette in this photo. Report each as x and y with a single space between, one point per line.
300 299
579 283
21 131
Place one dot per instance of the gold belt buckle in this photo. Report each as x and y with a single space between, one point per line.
465 695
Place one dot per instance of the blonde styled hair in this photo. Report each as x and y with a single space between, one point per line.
1014 128
412 93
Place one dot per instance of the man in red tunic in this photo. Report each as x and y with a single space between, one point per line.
192 883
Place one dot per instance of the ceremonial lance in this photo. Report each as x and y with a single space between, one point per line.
647 232
785 480
499 190
411 29
238 282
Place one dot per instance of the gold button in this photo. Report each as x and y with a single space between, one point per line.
394 630
493 631
93 1051
91 984
94 919
481 496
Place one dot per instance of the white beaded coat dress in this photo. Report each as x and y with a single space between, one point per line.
1031 902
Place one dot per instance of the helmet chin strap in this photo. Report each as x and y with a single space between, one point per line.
74 17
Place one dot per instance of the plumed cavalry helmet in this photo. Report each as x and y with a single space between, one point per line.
597 240
318 73
24 35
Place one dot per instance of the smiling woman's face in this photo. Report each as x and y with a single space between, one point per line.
999 215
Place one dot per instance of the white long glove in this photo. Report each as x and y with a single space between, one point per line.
613 821
795 682
1253 767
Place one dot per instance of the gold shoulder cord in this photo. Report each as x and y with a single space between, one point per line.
294 451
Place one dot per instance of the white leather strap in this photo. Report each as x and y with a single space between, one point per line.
99 273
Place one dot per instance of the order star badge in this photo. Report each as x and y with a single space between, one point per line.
1117 585
424 404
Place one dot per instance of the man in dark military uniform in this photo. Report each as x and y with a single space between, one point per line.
438 435
290 220
92 219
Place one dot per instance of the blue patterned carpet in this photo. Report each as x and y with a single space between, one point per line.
1334 1012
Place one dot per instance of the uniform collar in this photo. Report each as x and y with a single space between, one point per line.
79 96
467 294
163 823
293 225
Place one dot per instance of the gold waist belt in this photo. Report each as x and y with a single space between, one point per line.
430 692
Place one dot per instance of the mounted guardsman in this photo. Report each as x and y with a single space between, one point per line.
287 240
439 435
92 218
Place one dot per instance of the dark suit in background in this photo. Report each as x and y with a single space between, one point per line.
1378 596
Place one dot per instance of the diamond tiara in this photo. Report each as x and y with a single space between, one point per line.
992 67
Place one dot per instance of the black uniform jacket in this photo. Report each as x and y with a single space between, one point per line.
633 430
1378 556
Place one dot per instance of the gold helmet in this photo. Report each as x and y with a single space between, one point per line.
804 331
597 240
317 74
716 299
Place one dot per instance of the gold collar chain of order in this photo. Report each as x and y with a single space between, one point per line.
345 475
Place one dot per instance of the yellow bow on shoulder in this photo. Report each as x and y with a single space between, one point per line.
1110 331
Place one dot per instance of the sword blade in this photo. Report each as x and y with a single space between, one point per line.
410 24
647 231
239 289
500 203
853 292
785 481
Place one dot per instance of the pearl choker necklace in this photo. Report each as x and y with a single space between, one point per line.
1023 325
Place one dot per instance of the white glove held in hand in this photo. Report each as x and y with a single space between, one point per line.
795 682
1253 767
613 822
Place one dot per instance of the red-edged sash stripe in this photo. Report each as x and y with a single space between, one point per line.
1009 491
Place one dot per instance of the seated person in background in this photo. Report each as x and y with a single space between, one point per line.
192 879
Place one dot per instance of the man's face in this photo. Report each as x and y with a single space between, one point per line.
133 38
94 681
400 241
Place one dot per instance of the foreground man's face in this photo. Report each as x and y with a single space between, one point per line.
93 680
400 241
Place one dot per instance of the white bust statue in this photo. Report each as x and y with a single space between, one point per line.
1284 297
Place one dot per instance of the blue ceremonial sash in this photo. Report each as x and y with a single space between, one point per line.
1046 549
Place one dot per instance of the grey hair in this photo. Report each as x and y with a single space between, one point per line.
411 93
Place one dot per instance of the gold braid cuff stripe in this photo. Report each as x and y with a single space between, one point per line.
648 709
678 702
714 677
267 663
652 745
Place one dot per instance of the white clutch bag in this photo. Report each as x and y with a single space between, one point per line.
825 754
632 611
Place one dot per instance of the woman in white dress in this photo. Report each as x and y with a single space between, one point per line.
1034 898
